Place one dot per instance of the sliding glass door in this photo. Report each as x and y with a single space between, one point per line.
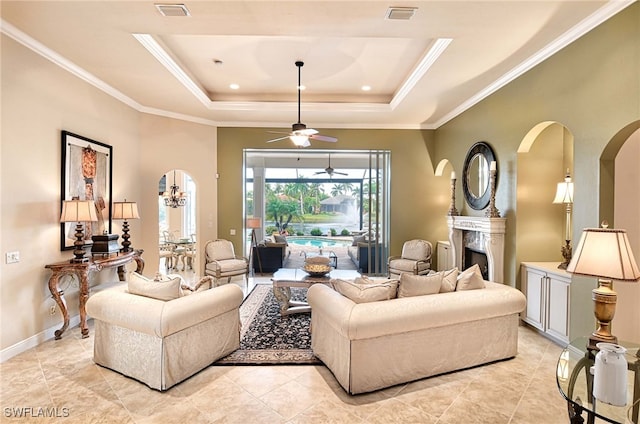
313 193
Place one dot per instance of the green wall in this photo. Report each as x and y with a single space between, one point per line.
592 87
419 199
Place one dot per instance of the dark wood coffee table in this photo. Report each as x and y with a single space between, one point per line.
285 278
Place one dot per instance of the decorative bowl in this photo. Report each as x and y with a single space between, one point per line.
316 270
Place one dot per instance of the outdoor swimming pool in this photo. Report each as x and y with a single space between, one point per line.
317 241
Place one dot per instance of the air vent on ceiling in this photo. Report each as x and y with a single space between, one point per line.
173 9
401 13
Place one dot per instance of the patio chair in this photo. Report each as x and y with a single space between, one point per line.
415 259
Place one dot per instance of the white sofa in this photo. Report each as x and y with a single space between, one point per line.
369 346
161 343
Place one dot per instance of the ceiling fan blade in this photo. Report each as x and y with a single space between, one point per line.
277 132
319 172
323 138
277 139
340 173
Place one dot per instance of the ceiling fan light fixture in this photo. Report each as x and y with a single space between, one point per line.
299 139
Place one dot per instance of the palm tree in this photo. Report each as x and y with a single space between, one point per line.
341 188
297 190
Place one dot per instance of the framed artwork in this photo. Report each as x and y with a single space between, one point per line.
86 174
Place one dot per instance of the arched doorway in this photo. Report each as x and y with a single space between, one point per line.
177 211
544 156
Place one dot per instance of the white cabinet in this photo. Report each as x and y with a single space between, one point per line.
445 259
547 289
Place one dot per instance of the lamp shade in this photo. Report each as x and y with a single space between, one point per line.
254 223
78 211
125 210
564 191
604 253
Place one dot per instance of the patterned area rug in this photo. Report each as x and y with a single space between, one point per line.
268 338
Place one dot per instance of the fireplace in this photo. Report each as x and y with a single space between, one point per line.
475 239
472 257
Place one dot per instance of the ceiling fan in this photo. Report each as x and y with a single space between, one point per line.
329 170
300 134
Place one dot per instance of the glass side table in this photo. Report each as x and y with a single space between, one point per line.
576 385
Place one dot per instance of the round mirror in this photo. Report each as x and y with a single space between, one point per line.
475 178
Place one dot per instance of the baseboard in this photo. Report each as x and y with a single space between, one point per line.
35 340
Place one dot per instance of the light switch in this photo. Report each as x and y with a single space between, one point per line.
232 232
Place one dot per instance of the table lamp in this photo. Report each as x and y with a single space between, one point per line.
125 210
604 253
78 211
564 195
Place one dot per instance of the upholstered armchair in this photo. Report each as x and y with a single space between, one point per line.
221 260
415 259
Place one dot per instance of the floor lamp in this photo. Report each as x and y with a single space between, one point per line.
254 224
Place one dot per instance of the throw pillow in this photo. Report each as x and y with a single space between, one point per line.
357 239
449 280
368 292
161 290
279 239
419 285
470 279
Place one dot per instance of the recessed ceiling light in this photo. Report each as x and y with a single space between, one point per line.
173 9
234 86
366 88
401 13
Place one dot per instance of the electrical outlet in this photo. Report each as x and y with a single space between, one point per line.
12 257
52 310
232 232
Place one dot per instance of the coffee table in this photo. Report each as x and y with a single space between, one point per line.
285 278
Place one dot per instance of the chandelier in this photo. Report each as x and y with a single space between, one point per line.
174 197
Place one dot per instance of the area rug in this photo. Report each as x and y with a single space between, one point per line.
268 338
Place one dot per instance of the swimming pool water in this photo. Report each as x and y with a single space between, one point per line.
317 241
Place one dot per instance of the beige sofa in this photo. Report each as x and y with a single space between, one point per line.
161 343
369 346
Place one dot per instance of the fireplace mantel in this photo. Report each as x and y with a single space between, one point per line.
492 230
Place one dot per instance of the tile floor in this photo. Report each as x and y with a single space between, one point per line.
60 376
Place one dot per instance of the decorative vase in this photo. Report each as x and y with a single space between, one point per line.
610 374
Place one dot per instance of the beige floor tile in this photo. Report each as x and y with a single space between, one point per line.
61 373
290 399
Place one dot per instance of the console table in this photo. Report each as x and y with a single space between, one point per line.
81 270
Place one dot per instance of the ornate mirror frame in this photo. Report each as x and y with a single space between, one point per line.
482 150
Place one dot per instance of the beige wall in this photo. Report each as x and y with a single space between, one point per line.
38 101
593 88
171 144
626 323
419 199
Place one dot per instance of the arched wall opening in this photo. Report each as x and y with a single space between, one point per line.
544 156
